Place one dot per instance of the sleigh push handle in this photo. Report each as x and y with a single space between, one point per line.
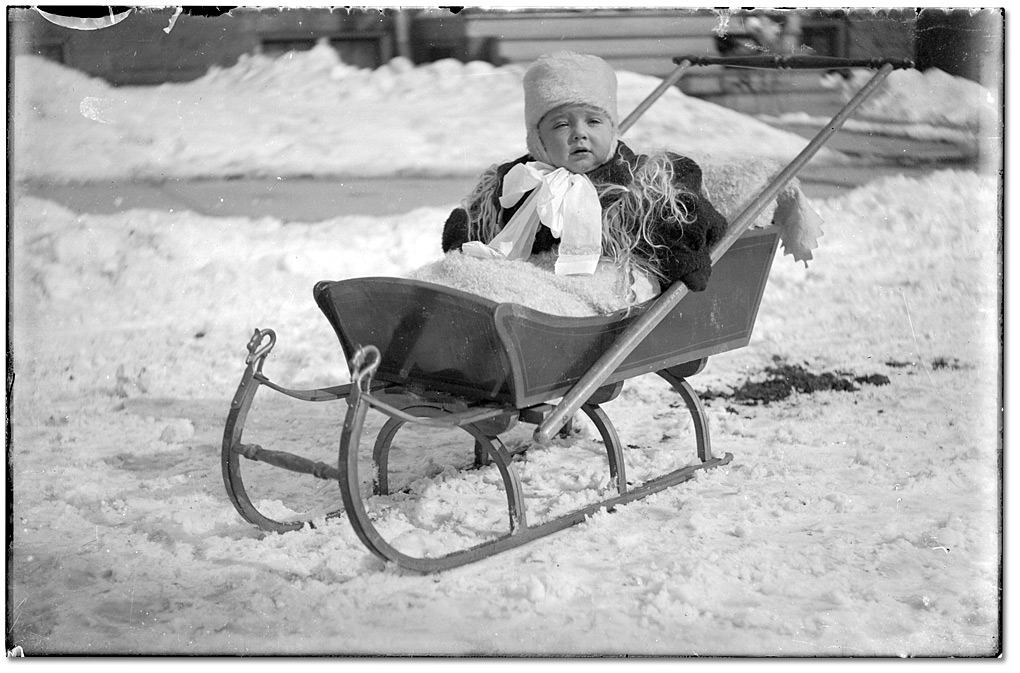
767 62
796 62
614 356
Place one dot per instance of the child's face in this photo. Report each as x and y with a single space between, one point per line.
577 137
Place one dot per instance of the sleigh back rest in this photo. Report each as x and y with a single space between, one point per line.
437 338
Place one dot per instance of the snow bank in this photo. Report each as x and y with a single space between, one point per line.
314 115
931 105
949 101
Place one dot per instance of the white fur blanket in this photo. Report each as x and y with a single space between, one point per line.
533 283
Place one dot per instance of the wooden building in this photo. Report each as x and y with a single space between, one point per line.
154 45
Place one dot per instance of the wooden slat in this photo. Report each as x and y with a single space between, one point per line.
675 23
647 57
530 49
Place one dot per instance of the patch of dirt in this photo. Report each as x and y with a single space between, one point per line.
948 363
940 362
782 379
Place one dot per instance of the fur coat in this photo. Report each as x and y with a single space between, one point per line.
679 251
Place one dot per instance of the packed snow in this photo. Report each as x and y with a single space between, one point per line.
952 109
849 523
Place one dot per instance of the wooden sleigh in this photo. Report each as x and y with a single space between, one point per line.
424 354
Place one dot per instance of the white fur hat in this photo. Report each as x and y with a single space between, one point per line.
566 77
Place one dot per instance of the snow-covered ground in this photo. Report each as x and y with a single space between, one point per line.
848 524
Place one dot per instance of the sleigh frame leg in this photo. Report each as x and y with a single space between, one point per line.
677 378
234 452
482 424
520 532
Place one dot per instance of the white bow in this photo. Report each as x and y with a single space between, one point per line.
565 202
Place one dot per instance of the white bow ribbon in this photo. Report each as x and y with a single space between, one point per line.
565 202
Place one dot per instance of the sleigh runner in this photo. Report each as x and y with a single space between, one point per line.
425 354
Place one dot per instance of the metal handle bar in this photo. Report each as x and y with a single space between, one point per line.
796 62
673 78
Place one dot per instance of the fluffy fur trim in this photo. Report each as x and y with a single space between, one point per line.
732 186
534 284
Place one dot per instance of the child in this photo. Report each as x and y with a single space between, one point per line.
585 197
